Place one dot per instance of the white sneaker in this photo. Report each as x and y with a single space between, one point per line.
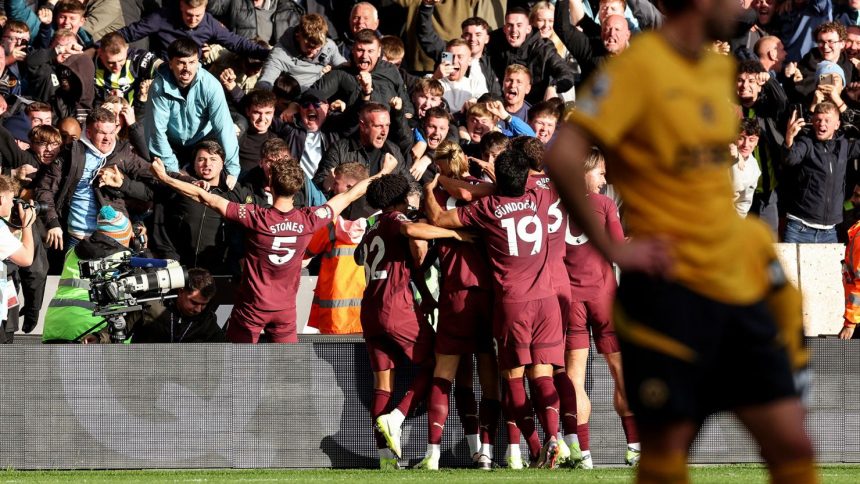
391 431
514 460
482 462
586 462
430 462
387 460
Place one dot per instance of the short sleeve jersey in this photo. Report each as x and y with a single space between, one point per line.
387 305
515 235
664 122
275 242
555 218
463 265
589 272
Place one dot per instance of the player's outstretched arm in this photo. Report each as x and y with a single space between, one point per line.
565 162
422 231
466 191
438 217
191 191
338 203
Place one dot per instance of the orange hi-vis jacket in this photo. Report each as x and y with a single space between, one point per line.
851 277
336 307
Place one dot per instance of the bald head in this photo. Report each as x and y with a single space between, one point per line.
615 34
770 52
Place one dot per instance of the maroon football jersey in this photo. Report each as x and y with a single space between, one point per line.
589 272
555 218
274 244
387 306
516 239
463 265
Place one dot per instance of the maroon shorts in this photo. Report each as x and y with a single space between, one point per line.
465 322
529 333
596 315
246 323
387 349
564 304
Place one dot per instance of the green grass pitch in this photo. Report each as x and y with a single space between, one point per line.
735 474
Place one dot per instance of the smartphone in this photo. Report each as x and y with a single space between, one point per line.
447 57
827 79
797 108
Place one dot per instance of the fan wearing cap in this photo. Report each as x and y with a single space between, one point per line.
69 318
831 82
312 131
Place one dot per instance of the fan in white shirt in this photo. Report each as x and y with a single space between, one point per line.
454 74
745 170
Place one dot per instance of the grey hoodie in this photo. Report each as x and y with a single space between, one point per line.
287 57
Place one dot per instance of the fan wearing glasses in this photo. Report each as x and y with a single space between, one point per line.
830 40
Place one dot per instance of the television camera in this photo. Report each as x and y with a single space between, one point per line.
118 286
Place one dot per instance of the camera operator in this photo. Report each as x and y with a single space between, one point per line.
19 252
69 318
187 319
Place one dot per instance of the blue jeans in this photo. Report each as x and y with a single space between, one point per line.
797 233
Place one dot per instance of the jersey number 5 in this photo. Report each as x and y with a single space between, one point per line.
519 230
280 244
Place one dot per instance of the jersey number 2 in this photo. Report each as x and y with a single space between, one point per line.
372 273
279 244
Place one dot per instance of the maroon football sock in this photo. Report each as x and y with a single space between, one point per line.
628 423
533 406
417 392
521 409
437 409
567 397
489 415
378 406
467 409
546 399
582 435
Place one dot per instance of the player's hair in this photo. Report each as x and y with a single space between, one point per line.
825 107
353 169
544 108
274 148
45 134
286 87
479 110
313 28
750 66
458 42
830 27
475 22
366 36
113 43
532 148
494 140
518 68
536 8
260 97
370 108
387 191
69 6
392 47
16 26
512 169
594 160
454 156
201 280
210 146
437 112
9 184
750 127
287 177
516 11
101 115
183 47
38 107
194 3
431 86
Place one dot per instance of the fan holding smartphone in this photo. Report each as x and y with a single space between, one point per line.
831 81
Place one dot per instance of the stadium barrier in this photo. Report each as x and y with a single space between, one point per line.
814 268
299 406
